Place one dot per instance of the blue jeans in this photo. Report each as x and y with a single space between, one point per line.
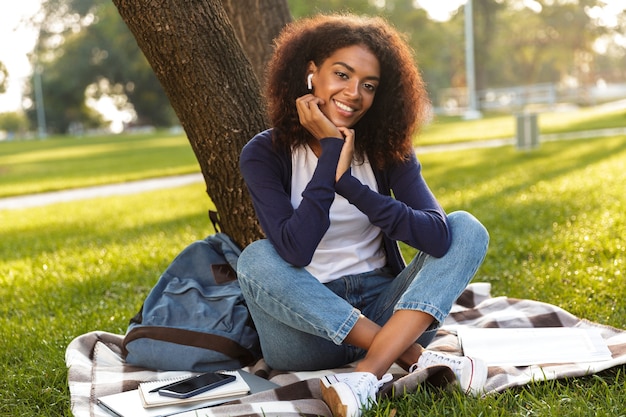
302 322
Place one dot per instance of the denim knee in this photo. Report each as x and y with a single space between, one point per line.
462 222
250 252
254 261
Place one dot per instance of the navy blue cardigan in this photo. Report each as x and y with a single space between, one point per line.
412 215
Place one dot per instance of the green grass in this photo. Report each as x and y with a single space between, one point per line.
556 216
446 129
68 162
72 268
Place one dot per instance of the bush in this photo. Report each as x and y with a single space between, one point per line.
14 124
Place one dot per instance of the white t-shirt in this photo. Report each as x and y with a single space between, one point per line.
351 244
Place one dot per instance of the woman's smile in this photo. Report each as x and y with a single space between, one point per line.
344 107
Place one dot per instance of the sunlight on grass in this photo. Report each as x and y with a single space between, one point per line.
72 268
591 118
454 129
555 216
445 129
62 163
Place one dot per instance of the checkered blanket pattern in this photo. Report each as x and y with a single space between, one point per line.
96 367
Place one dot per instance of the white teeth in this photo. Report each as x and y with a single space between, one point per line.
343 106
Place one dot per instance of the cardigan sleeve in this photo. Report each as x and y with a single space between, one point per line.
295 233
412 215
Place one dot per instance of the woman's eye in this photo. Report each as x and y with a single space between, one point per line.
369 87
341 74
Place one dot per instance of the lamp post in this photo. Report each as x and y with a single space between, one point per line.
41 112
472 111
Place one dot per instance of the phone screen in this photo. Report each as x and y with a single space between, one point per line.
196 385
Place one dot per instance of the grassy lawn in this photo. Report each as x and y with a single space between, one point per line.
69 162
556 216
502 126
71 268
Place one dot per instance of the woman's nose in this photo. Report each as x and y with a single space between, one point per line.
352 89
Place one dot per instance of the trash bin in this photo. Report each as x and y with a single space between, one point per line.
527 131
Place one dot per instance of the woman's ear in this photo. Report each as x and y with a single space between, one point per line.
311 68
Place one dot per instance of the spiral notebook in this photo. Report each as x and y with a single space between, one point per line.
130 403
236 388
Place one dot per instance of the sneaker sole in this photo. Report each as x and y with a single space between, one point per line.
468 390
476 364
333 401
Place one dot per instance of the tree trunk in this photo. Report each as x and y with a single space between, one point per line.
195 54
256 24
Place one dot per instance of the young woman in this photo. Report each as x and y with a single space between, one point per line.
336 185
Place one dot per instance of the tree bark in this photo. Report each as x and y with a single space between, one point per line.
256 24
194 52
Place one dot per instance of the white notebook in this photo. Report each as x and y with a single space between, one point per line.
128 404
233 389
131 403
533 346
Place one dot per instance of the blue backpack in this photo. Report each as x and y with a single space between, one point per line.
195 317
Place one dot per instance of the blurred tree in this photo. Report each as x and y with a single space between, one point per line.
122 72
4 78
486 15
85 48
64 80
522 42
85 52
14 123
545 43
609 64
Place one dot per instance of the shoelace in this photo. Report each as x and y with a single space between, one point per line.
372 387
441 360
386 378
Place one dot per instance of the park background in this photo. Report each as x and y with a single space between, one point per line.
554 211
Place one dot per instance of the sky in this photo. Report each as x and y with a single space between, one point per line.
17 40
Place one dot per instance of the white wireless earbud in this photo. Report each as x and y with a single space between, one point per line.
309 84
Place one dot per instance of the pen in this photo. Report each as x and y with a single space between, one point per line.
164 386
172 383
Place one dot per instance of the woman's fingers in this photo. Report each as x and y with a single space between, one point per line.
312 118
347 152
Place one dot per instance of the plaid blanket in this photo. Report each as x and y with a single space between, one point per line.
96 367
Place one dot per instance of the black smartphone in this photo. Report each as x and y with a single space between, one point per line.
196 385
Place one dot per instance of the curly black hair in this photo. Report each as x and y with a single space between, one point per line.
401 102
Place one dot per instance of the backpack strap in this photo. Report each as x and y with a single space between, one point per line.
215 220
214 342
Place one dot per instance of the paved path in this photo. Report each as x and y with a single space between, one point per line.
131 187
493 143
35 200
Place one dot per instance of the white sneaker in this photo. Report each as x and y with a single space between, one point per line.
347 394
471 373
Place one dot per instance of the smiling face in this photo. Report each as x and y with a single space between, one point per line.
347 81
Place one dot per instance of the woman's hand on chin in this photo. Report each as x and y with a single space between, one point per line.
313 120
